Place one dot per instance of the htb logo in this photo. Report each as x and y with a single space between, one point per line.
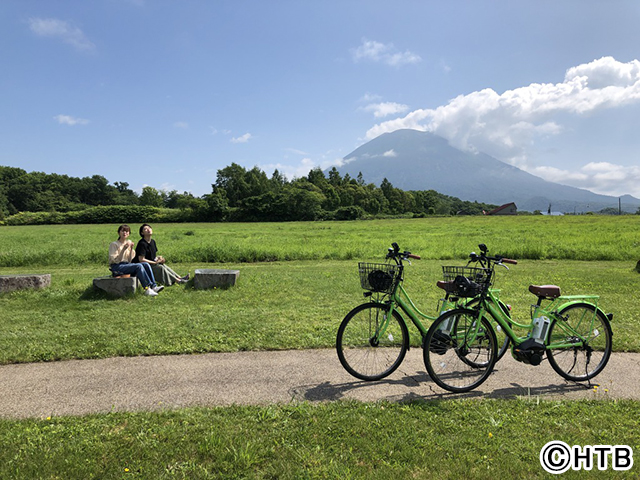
557 457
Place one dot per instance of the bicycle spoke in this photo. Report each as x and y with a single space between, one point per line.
461 358
371 343
579 342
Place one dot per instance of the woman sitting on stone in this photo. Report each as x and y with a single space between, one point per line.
147 254
122 253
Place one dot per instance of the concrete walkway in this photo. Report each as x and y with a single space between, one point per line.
79 387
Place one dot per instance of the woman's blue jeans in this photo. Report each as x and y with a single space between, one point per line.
140 270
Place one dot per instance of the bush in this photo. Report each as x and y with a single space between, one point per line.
103 214
352 212
37 218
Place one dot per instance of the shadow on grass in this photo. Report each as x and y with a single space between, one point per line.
93 294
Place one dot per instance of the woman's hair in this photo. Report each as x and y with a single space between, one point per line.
142 227
126 228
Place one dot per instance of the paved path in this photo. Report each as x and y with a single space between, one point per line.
80 387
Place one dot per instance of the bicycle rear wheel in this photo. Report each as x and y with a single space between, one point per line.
460 350
371 344
584 360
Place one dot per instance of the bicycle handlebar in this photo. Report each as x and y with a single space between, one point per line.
483 258
395 253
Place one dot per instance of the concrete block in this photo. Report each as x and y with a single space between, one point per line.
213 278
9 283
116 286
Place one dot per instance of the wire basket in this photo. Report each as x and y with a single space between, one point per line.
467 281
379 277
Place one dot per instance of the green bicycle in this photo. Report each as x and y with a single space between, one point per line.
460 348
373 338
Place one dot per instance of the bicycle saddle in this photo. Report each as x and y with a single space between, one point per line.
447 286
545 291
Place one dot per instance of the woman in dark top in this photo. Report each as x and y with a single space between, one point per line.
147 252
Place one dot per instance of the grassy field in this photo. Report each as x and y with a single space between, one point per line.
528 237
274 306
297 282
490 439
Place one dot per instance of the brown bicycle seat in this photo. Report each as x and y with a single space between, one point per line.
446 286
545 291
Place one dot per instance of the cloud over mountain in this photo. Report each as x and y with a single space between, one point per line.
507 125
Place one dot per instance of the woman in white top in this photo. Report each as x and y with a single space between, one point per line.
121 253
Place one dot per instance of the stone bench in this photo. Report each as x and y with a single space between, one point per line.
9 283
117 286
213 278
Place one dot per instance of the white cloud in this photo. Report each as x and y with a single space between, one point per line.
296 151
507 125
302 168
370 97
182 125
600 177
384 109
65 31
69 120
242 139
390 154
371 50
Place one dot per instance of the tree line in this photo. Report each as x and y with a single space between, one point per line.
238 194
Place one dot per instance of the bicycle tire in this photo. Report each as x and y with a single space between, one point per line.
573 363
360 353
464 360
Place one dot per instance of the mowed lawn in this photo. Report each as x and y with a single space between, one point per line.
292 303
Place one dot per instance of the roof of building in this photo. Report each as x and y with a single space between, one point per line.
502 207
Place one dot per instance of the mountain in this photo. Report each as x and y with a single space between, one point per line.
414 160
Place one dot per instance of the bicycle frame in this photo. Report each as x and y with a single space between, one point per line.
488 304
401 302
400 298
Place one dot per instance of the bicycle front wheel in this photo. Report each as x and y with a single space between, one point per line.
460 350
579 342
371 344
502 338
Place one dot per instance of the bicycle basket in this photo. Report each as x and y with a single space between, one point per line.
379 277
467 281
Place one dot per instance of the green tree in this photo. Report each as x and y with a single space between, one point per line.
151 197
125 196
277 181
334 177
238 183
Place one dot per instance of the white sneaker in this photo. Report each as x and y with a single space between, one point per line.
158 288
151 292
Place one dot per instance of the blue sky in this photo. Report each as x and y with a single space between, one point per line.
165 93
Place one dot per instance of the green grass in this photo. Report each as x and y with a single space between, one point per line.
274 306
295 301
530 237
456 439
